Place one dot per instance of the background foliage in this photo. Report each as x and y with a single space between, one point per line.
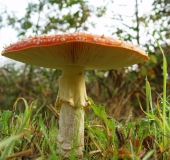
118 90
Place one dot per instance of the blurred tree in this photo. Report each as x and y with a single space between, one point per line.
29 82
46 16
159 19
124 87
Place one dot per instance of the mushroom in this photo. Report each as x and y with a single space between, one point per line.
73 54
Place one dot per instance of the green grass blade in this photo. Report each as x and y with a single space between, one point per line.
164 96
148 155
9 142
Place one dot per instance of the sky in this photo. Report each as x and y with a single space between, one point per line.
123 7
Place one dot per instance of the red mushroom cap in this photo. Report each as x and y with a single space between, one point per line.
78 49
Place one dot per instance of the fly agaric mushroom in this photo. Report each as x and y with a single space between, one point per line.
73 54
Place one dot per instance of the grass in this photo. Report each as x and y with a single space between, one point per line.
29 134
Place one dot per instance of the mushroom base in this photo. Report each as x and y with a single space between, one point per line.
71 100
71 131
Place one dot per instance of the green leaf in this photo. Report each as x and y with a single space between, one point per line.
99 111
26 25
153 58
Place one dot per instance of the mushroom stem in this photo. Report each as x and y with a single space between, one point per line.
72 99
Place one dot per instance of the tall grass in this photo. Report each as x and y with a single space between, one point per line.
160 114
164 105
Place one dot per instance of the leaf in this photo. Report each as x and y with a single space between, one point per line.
124 152
99 111
11 139
21 34
26 25
149 154
148 142
9 142
153 58
136 143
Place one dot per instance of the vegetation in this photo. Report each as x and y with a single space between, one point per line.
28 125
31 135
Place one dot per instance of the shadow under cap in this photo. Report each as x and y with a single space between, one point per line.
78 49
